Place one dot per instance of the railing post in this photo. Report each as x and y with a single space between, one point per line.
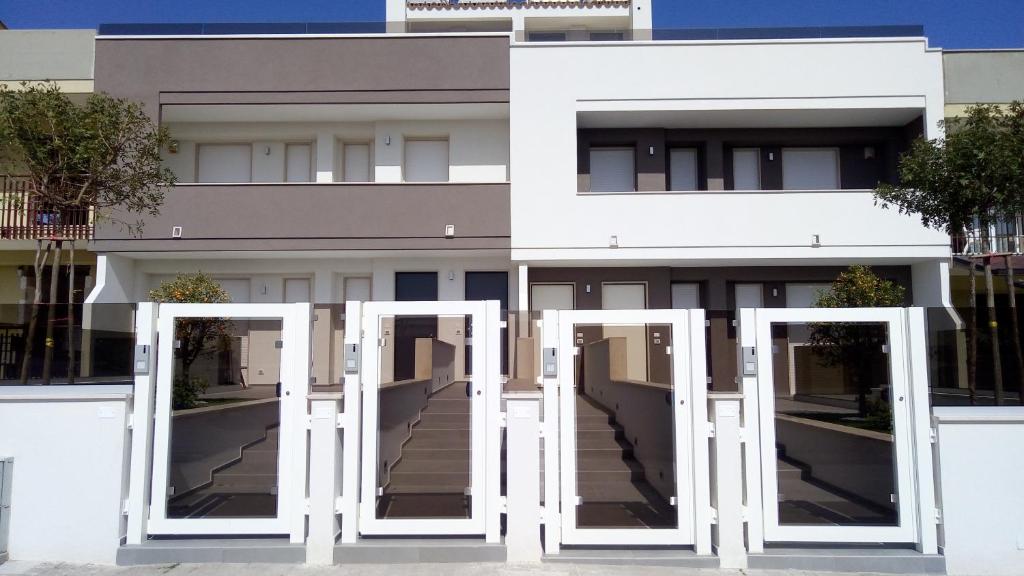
141 460
324 458
522 537
727 479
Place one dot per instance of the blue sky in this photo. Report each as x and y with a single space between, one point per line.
949 23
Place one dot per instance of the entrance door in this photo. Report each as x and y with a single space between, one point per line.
230 397
430 454
834 405
633 471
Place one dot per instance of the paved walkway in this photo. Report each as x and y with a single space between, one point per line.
47 569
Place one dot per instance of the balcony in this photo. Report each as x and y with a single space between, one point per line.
24 218
322 216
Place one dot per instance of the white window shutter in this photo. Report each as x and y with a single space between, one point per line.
612 170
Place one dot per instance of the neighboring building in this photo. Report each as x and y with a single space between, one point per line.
66 58
984 77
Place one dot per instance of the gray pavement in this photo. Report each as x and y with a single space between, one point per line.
16 568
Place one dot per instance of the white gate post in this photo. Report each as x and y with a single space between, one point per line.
552 439
751 437
144 367
727 475
920 425
522 537
491 376
324 458
351 423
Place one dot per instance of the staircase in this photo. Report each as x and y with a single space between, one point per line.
610 482
430 479
244 487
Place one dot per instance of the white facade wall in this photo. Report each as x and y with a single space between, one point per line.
478 149
828 81
980 450
69 445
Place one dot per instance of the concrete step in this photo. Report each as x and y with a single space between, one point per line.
447 406
455 390
260 462
431 466
438 420
415 551
450 439
410 452
605 439
453 487
608 464
636 557
449 478
609 491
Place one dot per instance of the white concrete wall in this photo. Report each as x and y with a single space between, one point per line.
980 450
478 148
69 445
754 82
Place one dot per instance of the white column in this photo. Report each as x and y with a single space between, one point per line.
324 478
492 381
350 422
142 422
522 536
747 330
552 471
325 154
727 479
921 424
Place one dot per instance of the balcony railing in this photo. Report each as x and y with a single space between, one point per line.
980 244
24 218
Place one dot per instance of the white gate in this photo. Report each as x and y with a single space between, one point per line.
632 421
430 419
842 413
229 456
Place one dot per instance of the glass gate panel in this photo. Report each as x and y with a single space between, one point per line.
424 422
836 455
627 450
423 418
225 389
625 429
226 418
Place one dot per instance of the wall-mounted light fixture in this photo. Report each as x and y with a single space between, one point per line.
771 156
449 230
451 275
869 152
651 150
816 241
613 242
175 231
387 140
266 150
172 146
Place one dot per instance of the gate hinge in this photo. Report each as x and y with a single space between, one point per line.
714 515
502 419
742 435
503 505
744 514
124 507
933 436
305 506
339 504
938 516
130 421
711 429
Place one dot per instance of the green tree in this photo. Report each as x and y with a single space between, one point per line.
194 337
961 183
855 347
100 159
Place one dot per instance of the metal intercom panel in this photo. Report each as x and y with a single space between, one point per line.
141 362
351 358
749 361
550 362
